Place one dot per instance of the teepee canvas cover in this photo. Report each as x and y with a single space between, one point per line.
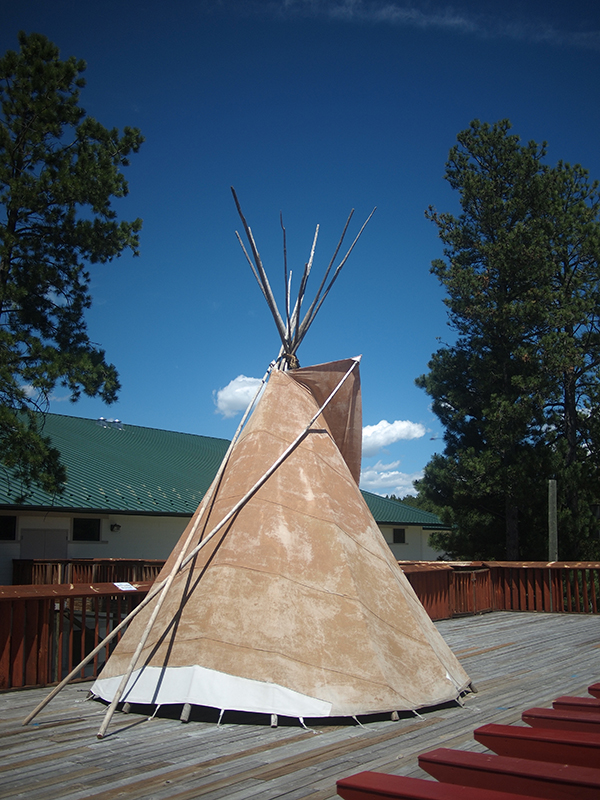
296 606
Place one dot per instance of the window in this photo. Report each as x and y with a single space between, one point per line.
8 529
399 536
86 529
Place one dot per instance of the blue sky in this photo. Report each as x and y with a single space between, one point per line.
309 108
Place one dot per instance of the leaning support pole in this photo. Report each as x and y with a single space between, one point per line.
150 596
182 562
251 492
160 587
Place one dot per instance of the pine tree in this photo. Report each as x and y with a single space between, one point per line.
59 170
516 390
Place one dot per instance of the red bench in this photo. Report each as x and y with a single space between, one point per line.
584 721
558 758
566 703
376 785
541 744
520 775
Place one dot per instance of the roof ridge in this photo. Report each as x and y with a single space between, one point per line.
95 420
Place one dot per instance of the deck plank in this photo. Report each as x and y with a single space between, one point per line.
516 660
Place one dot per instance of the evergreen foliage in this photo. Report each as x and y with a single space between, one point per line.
59 170
518 391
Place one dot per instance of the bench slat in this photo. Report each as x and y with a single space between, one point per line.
520 775
562 720
378 785
594 689
541 744
566 703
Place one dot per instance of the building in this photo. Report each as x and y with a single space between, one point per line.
130 491
405 528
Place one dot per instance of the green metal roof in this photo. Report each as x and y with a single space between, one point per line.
126 468
392 512
119 468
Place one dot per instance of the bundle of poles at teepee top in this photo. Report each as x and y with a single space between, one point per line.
294 329
281 596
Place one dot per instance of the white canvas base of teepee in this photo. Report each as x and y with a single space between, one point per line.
200 686
207 687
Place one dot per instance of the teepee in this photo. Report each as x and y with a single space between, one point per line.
282 596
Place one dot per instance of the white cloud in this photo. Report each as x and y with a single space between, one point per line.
38 397
399 14
236 396
385 433
386 479
375 11
526 27
60 398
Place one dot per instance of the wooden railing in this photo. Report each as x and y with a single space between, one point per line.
432 582
564 587
45 631
451 589
84 570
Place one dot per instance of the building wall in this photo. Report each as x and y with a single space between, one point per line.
142 537
50 535
415 547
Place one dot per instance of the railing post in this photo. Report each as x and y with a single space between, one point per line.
31 637
584 587
522 588
44 644
546 577
56 617
5 643
563 589
576 576
17 654
568 588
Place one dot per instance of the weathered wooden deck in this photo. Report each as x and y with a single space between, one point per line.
516 660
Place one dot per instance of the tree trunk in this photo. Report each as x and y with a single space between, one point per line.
571 431
570 418
512 529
